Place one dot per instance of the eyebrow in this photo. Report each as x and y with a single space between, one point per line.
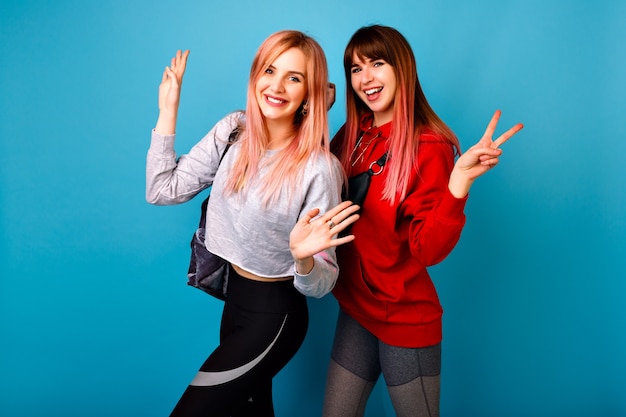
359 63
289 72
364 61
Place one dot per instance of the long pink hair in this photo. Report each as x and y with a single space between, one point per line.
312 134
411 111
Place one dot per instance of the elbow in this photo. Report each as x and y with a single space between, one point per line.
429 258
150 199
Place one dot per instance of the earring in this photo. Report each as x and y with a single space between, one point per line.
305 108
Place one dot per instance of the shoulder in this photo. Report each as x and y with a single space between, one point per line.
229 122
322 181
322 162
324 169
432 144
219 135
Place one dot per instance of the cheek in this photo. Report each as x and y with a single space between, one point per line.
303 93
355 83
258 96
296 95
392 82
261 84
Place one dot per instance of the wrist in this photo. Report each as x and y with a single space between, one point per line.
304 266
459 184
166 123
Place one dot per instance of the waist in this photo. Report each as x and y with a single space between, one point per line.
249 275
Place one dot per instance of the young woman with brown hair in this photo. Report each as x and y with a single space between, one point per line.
390 316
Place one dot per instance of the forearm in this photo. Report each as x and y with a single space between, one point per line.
166 122
459 184
169 182
433 236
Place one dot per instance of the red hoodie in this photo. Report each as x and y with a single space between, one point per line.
383 281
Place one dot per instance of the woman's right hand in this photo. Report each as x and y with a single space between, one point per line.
169 93
315 233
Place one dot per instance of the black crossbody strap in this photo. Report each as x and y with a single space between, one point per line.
380 163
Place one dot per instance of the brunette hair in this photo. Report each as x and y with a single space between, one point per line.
312 135
411 111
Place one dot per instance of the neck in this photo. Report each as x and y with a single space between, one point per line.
280 135
381 118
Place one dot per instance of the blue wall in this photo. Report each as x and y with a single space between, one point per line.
95 316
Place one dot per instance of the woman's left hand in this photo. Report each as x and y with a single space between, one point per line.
480 158
313 234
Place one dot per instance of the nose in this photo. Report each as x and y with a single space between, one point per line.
276 85
366 75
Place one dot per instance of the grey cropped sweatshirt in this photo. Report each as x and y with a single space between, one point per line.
239 227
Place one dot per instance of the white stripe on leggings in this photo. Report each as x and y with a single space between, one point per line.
207 379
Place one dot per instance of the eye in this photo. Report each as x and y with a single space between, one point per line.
269 71
294 78
355 70
378 64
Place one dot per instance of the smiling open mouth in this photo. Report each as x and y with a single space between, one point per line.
275 100
373 91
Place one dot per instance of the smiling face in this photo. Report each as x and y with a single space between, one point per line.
282 87
374 82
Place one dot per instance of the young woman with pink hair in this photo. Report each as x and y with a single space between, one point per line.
262 217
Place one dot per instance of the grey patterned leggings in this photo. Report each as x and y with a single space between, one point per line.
357 360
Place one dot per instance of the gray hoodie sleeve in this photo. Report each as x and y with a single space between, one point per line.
173 181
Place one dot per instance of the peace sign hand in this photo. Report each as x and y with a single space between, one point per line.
480 158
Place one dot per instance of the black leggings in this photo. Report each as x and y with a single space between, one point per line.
263 326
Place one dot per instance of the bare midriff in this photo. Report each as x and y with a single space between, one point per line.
249 275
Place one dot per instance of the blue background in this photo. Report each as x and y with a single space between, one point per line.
95 316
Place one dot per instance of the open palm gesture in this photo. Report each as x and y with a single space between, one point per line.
169 89
312 235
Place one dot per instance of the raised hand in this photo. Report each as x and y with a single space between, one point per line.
480 158
330 95
169 93
312 235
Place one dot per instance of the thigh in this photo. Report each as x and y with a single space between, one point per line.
401 365
260 341
257 339
353 369
264 325
412 376
236 379
355 348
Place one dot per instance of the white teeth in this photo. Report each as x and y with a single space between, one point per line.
373 91
274 100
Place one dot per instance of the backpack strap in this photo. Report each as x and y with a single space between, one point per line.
232 138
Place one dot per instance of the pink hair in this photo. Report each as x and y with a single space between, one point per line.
312 135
